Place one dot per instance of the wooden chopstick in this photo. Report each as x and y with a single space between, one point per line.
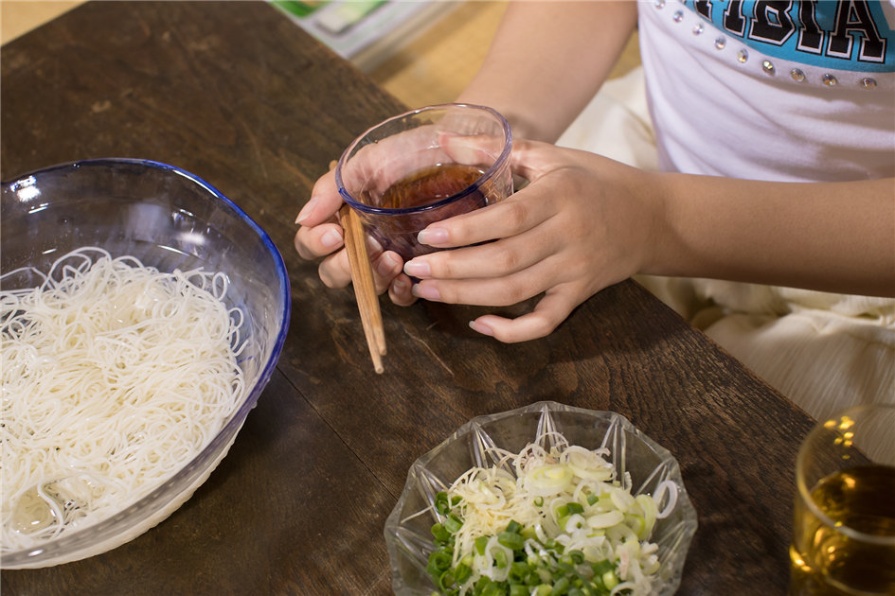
364 287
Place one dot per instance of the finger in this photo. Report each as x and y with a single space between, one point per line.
334 271
386 267
323 204
400 291
529 160
495 291
549 313
514 215
493 259
318 241
473 149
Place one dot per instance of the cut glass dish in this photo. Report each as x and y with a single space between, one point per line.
408 528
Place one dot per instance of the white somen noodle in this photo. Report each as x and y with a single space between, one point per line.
115 375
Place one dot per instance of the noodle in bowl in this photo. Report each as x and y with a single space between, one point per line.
136 338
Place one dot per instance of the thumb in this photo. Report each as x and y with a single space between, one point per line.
323 204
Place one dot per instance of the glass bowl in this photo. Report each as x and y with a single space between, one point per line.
169 219
408 528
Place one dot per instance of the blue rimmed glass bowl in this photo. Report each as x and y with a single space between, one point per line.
408 529
168 218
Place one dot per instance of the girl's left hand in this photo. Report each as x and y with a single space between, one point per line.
582 223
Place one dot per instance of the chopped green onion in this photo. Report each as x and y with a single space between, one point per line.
500 559
481 551
560 586
462 573
442 503
610 580
480 543
574 508
440 533
439 562
453 523
511 540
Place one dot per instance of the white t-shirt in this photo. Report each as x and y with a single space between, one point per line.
772 90
785 91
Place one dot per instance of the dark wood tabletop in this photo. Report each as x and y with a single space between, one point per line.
240 96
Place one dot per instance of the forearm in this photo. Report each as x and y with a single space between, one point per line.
837 237
548 59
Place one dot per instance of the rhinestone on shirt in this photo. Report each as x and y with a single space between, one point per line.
868 83
796 74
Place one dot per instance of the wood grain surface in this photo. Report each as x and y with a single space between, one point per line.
237 94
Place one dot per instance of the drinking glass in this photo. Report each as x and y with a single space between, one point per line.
844 532
423 166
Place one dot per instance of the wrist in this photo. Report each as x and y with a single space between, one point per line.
657 192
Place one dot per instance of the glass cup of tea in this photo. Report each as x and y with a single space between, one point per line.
424 166
844 531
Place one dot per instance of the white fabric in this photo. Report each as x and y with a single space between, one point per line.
717 115
823 351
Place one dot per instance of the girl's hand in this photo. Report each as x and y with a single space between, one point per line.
583 223
320 236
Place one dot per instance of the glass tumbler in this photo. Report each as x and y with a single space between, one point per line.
844 531
423 166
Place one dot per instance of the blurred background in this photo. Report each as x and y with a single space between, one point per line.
421 51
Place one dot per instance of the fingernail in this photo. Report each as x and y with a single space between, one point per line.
417 268
432 236
481 328
330 239
399 286
425 292
306 210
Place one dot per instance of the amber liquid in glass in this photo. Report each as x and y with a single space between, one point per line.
827 561
430 185
423 190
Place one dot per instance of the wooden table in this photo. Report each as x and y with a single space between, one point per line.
237 94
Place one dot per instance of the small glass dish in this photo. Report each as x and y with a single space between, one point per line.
408 528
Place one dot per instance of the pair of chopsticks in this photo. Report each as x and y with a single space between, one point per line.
364 287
